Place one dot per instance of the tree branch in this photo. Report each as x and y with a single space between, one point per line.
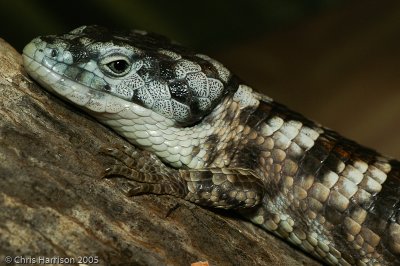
54 203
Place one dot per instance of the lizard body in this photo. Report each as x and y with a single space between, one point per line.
234 148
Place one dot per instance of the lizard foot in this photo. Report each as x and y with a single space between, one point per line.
149 176
227 188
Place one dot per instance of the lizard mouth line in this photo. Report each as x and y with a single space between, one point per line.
74 91
77 93
100 104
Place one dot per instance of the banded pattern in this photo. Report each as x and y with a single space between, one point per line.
234 148
328 195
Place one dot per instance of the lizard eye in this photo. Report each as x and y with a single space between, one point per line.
118 66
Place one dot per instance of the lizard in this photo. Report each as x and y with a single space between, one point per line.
234 148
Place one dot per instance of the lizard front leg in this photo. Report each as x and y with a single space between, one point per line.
226 188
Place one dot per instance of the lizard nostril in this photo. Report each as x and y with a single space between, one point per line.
54 53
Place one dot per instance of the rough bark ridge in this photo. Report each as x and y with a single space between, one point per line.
54 203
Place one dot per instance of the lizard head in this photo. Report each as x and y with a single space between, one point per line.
94 67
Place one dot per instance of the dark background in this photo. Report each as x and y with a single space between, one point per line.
337 62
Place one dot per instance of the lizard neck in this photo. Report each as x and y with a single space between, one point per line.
207 144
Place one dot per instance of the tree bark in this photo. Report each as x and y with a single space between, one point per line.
55 204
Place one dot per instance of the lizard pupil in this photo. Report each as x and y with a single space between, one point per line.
118 66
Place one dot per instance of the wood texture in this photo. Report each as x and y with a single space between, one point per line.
54 202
